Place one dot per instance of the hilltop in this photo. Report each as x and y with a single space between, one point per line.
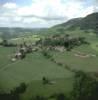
89 22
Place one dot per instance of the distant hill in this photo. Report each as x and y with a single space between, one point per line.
13 32
86 23
90 22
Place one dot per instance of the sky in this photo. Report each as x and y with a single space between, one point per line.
43 13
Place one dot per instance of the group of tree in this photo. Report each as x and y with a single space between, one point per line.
15 93
5 43
59 96
85 87
46 54
67 41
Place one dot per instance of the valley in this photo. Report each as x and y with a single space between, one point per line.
57 54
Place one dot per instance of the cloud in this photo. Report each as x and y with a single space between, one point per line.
87 11
10 5
43 12
96 6
43 8
46 17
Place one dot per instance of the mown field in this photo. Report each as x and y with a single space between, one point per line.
35 66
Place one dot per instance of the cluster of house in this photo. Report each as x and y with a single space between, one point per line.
21 52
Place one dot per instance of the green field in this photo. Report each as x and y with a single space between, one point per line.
27 39
88 64
35 66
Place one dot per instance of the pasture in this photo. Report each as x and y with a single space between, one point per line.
27 39
86 59
35 66
32 68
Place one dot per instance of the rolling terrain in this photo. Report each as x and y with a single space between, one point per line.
35 66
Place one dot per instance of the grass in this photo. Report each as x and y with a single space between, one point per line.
33 67
0 39
27 39
88 64
62 85
95 46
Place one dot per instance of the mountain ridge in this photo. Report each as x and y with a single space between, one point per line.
84 23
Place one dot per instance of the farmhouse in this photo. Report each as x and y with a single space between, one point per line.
21 52
18 55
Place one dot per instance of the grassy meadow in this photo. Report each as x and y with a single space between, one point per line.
35 66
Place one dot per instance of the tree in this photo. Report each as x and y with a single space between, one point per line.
85 87
45 80
61 96
39 98
19 89
4 42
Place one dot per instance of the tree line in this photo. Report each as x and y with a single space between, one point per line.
5 43
67 41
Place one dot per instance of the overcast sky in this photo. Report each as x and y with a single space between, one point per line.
43 13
